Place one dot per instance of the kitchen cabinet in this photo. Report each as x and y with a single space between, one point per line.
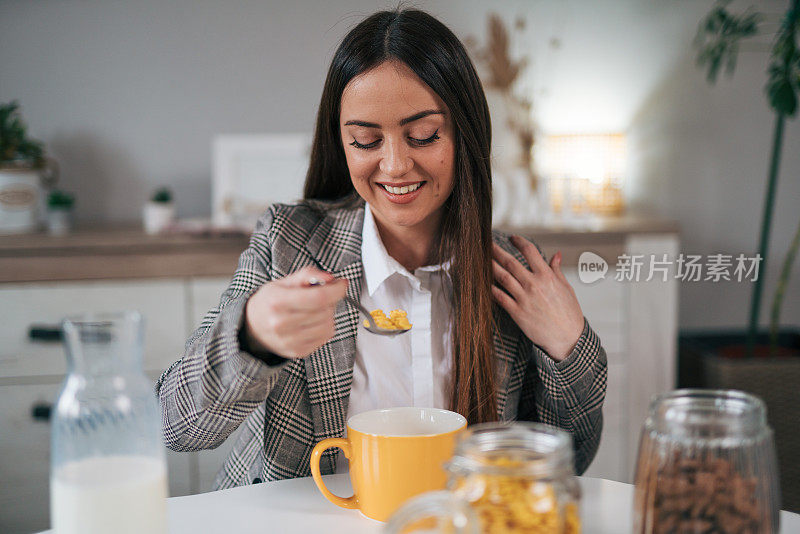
25 464
27 306
637 322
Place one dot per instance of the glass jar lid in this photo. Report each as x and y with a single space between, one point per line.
513 449
708 414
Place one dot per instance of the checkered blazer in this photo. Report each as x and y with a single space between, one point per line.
287 408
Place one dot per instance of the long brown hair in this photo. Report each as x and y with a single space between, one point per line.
436 55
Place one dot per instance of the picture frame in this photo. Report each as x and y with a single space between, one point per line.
251 172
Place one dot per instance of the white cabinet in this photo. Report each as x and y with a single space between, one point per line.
637 325
204 294
161 302
24 458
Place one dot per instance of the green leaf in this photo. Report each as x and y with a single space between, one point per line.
782 97
718 36
60 199
14 145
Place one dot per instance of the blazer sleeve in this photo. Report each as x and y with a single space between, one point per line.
208 392
568 394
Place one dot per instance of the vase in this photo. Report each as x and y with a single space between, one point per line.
157 216
59 221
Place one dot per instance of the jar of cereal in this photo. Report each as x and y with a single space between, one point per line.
512 478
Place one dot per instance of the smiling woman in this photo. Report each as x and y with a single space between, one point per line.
396 214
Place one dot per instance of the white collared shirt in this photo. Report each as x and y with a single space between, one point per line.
411 369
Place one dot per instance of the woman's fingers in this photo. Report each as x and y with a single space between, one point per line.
555 265
505 300
310 339
507 280
297 322
302 277
512 266
311 298
531 253
290 318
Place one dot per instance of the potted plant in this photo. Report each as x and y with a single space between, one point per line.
758 362
159 211
24 171
59 212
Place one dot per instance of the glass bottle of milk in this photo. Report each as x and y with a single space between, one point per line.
108 466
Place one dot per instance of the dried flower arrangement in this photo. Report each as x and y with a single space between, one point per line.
502 74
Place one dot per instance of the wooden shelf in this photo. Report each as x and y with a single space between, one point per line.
115 252
120 251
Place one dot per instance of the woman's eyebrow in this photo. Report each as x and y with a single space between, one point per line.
412 118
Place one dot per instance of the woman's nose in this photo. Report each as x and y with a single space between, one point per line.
396 160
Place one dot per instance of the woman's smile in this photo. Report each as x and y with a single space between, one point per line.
401 193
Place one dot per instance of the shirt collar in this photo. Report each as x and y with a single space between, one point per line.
378 264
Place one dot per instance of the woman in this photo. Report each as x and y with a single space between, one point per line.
397 214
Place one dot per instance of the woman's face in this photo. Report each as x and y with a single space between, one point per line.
399 143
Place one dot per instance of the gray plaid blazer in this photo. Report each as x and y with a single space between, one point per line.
287 408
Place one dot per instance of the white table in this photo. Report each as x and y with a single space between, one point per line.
295 505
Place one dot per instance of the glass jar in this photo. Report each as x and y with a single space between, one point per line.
706 463
518 478
434 512
503 478
108 465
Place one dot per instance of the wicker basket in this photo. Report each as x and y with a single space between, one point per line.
777 382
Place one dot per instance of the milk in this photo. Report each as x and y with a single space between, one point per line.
112 494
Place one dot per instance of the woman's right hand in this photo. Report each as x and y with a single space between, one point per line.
290 318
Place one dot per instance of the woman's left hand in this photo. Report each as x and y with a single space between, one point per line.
540 300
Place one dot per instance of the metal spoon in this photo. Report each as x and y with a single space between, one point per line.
373 327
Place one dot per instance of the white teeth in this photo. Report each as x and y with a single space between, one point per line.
402 190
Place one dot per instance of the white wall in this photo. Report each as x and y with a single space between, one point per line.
128 95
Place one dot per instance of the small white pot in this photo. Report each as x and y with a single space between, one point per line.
59 221
157 216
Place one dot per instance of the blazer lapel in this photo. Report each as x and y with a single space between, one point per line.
336 247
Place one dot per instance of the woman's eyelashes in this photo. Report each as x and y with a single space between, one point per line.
412 140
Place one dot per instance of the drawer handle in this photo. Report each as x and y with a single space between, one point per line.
45 333
41 411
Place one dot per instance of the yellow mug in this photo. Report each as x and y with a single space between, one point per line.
394 454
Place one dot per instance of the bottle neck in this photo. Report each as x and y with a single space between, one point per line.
104 344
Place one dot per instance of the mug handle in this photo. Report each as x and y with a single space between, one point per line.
316 454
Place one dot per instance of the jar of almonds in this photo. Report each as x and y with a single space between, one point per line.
517 477
706 464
